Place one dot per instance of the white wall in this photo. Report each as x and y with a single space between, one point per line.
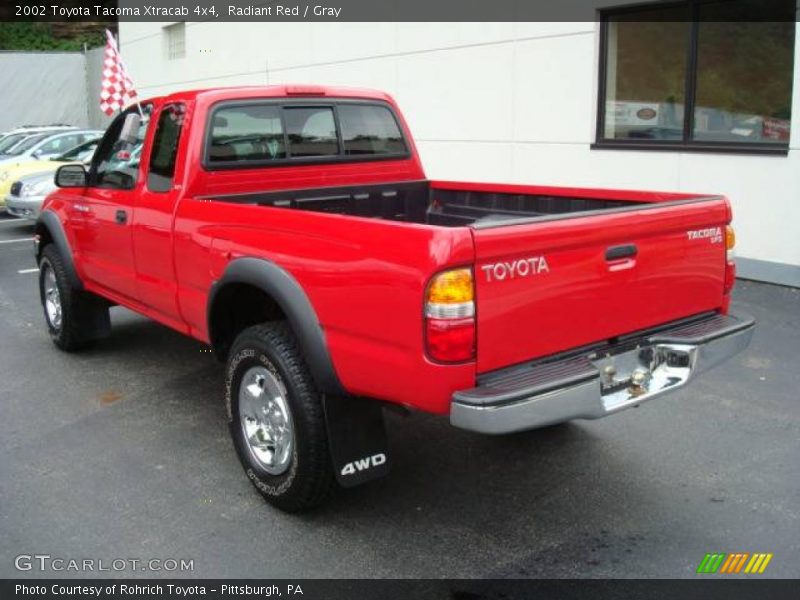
508 102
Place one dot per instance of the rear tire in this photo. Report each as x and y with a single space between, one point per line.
74 318
277 420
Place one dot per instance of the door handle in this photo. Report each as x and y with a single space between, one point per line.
621 258
625 251
122 217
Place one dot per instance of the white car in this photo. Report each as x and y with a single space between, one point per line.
29 191
37 129
28 194
8 139
43 146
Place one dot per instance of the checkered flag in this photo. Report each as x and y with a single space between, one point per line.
116 89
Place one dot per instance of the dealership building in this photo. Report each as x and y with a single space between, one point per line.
679 98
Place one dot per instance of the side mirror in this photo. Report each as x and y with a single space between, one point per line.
130 128
37 154
71 176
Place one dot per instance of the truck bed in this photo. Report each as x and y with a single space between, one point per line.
451 204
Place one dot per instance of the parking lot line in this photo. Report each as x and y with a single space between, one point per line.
23 271
16 240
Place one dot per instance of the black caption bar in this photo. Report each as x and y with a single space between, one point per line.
353 10
406 589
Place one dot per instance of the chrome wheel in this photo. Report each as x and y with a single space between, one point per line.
266 419
52 297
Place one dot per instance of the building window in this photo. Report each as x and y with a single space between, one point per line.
698 75
175 41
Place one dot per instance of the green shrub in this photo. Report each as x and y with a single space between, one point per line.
39 36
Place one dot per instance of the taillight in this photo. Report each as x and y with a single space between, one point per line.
730 266
730 241
450 316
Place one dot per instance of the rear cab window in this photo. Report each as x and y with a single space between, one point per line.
311 131
266 132
370 130
246 133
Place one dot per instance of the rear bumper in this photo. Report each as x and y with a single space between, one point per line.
602 380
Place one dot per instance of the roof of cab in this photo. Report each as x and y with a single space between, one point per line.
276 91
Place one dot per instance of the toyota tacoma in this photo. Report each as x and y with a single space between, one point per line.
293 230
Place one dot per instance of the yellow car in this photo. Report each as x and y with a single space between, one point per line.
10 172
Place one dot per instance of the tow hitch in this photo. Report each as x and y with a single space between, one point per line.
632 375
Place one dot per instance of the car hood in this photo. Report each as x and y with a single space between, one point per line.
29 166
9 173
36 177
14 172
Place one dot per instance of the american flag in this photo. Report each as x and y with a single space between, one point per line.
116 89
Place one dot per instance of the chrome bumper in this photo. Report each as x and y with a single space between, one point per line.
604 380
24 208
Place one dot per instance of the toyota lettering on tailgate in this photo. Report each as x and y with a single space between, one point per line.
523 267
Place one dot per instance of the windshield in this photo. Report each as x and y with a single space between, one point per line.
26 145
10 140
81 152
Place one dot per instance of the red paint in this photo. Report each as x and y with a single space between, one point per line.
582 297
366 278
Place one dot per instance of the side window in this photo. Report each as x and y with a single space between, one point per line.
165 148
60 144
10 141
82 152
246 133
311 131
368 129
116 163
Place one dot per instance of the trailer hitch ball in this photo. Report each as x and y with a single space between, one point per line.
639 380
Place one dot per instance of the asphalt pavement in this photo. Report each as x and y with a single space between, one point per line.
122 452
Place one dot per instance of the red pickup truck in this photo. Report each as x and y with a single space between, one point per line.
293 230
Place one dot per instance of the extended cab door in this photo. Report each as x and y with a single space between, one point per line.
154 215
103 215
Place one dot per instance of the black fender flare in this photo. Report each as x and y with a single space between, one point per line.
279 284
50 221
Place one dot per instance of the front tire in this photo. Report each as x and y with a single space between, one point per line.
74 318
276 419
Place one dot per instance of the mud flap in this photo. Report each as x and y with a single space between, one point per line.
357 439
94 320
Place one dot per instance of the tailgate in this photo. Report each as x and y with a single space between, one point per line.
551 285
